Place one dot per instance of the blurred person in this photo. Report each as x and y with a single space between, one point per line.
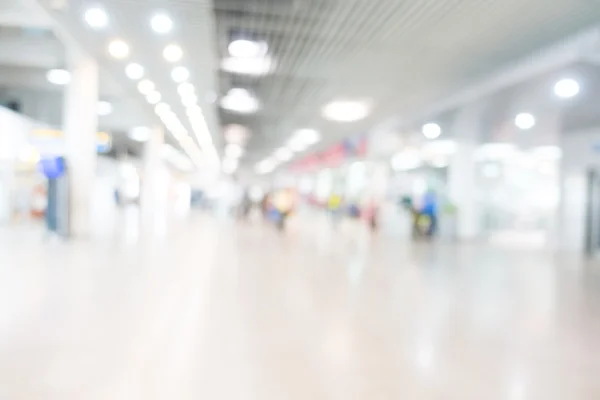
334 207
284 204
430 211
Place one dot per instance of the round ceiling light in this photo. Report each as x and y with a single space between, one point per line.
161 23
346 111
240 100
284 154
230 166
104 108
180 74
118 49
96 18
172 53
58 76
566 88
431 130
525 121
234 151
265 166
185 89
189 101
146 87
162 109
247 48
134 71
153 97
235 133
139 134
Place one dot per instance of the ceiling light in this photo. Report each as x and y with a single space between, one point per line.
180 74
265 166
284 154
172 53
441 147
230 165
189 101
161 23
58 76
431 130
235 133
104 108
407 160
247 48
308 136
162 109
185 89
146 87
134 71
240 100
118 49
254 66
346 111
139 134
566 88
153 97
96 18
234 151
525 121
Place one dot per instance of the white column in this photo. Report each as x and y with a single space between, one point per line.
80 124
151 186
462 173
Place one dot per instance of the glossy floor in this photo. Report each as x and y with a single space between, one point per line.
219 310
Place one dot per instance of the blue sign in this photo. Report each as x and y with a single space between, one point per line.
52 167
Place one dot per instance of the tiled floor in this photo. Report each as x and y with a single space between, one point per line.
238 311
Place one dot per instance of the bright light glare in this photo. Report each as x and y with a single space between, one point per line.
566 88
146 87
161 23
247 48
235 133
104 108
234 151
303 138
180 74
240 100
407 160
284 154
441 147
185 89
96 18
153 97
118 49
58 76
346 111
139 134
162 109
495 151
230 165
172 53
189 101
548 152
253 66
134 71
265 166
525 121
491 170
431 130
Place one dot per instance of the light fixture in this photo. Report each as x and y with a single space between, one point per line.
58 76
440 147
172 53
524 121
235 133
189 101
240 100
104 108
407 160
308 136
134 71
162 109
247 48
118 49
265 166
153 97
548 152
284 154
255 66
230 165
566 88
234 151
161 23
96 18
146 87
139 134
345 111
180 74
185 89
431 130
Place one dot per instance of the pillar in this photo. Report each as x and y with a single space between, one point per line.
80 124
152 185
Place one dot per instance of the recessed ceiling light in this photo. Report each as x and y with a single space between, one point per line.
240 100
235 133
104 108
134 71
265 166
96 18
162 109
172 53
153 97
58 76
524 121
161 23
566 88
185 89
180 74
284 154
234 151
247 48
189 101
303 138
407 160
346 111
118 49
139 134
254 66
230 165
431 130
146 87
